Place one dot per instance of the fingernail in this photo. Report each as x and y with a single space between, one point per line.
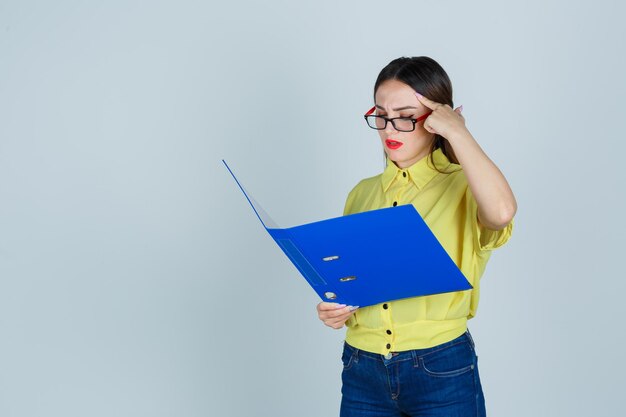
341 305
352 308
461 108
418 94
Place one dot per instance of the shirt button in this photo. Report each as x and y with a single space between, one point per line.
404 174
388 331
388 346
395 203
385 306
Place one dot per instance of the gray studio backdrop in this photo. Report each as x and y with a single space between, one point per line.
136 281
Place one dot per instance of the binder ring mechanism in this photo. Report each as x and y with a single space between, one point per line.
331 295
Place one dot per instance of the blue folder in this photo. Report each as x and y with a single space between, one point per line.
367 258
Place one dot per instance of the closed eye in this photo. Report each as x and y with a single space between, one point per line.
411 116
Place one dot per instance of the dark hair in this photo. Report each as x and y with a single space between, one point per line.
427 77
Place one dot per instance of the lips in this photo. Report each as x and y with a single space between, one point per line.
393 144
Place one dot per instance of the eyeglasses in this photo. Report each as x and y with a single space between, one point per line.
401 124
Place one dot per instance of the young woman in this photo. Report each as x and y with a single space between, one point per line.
415 356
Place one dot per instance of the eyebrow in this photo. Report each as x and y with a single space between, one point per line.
398 109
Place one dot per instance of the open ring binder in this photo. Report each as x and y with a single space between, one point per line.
350 259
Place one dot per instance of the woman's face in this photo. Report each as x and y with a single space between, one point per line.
396 99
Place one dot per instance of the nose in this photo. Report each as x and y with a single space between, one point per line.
389 129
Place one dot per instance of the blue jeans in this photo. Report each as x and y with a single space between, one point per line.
439 381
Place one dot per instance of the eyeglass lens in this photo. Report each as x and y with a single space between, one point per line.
378 122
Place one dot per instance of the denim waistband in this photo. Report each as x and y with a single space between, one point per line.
410 354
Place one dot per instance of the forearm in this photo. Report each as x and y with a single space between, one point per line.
495 199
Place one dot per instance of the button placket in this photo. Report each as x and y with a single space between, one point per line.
387 327
396 199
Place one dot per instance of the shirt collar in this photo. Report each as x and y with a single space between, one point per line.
420 172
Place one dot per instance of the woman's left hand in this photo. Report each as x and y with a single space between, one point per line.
443 120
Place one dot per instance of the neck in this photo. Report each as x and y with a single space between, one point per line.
406 164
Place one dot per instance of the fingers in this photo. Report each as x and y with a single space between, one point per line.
442 118
323 306
429 129
433 104
334 310
458 111
339 321
334 315
427 102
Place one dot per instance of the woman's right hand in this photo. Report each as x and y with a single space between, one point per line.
334 315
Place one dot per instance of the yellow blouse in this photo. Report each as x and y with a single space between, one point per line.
448 207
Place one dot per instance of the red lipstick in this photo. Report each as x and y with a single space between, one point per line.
393 144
